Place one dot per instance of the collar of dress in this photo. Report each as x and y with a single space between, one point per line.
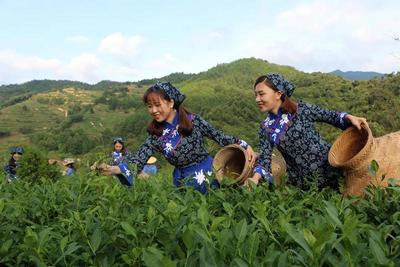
277 124
170 136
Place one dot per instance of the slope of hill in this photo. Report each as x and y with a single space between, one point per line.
223 95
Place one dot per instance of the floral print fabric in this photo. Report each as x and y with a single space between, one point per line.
186 153
280 83
305 152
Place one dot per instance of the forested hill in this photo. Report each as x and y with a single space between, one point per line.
73 117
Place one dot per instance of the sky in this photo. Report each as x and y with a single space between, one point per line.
132 40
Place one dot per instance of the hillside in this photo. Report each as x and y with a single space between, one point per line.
223 95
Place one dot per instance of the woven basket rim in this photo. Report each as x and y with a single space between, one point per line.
359 156
239 179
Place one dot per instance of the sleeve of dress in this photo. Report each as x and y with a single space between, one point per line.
335 118
8 170
217 135
112 163
142 154
263 164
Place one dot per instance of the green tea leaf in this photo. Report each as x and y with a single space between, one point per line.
241 230
95 239
128 229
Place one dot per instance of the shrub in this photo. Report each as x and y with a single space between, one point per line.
34 166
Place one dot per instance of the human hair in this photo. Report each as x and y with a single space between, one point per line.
124 151
288 105
155 128
12 161
71 165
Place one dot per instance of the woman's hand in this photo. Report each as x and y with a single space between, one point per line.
253 180
357 121
252 155
143 176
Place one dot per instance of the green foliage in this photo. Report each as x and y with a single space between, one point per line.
135 125
70 141
76 142
57 101
75 109
222 95
46 141
118 99
14 100
90 220
4 133
76 118
34 166
177 77
25 130
43 100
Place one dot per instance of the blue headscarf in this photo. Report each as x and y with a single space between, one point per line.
19 150
172 92
280 83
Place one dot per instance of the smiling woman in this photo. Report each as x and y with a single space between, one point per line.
289 126
178 135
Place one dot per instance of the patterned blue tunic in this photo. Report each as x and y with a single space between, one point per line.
305 152
119 159
11 171
193 164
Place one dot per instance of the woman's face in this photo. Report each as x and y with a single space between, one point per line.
17 156
160 109
268 100
118 147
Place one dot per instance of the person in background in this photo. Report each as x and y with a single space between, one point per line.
11 168
150 168
118 166
118 158
70 168
120 151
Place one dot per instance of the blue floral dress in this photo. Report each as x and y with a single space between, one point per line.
119 159
193 164
10 170
305 152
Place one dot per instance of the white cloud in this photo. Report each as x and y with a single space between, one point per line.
325 35
85 67
120 45
313 17
23 63
387 63
78 39
165 62
315 35
15 68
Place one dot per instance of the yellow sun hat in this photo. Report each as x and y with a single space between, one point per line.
68 161
151 160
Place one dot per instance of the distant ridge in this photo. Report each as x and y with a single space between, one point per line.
357 75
